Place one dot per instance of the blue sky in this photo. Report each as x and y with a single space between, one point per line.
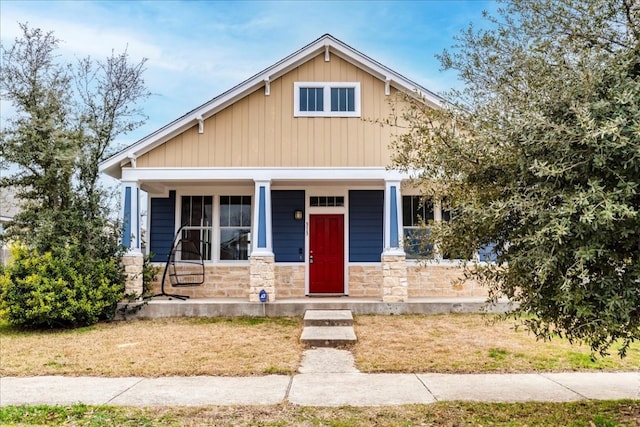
199 49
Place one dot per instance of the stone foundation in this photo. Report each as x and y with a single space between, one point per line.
441 280
261 276
226 281
365 281
394 278
133 265
289 280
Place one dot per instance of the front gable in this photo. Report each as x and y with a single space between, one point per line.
261 130
254 124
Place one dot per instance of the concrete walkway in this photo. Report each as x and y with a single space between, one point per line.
327 377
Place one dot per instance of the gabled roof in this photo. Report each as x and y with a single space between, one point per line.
327 44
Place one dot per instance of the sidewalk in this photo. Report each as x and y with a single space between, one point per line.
326 378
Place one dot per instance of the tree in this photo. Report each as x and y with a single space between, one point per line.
67 119
107 92
539 156
68 116
41 140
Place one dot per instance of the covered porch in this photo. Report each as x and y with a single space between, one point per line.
288 232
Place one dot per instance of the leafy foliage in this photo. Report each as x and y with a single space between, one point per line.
66 120
540 158
61 288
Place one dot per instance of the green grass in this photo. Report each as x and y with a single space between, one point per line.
584 413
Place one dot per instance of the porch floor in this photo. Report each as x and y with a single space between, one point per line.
230 307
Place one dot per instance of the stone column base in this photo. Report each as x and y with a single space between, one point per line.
133 264
395 287
262 276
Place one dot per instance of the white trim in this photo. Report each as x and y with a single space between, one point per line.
387 249
205 174
112 166
134 220
326 88
255 222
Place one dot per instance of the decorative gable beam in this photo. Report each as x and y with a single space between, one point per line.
200 124
267 87
133 159
387 86
327 56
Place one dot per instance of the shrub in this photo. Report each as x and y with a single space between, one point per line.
60 288
149 274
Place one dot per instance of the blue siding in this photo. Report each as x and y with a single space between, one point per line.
162 226
366 225
288 234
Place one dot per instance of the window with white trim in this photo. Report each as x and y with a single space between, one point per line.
235 228
196 220
326 99
417 214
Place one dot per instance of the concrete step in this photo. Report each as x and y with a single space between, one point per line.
328 336
328 318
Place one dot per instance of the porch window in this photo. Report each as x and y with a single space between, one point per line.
417 214
235 227
326 99
197 226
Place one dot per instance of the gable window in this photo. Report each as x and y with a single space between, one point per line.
311 99
326 99
235 227
343 99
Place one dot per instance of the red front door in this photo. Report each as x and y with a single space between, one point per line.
326 254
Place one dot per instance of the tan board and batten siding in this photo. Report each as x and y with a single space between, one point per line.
261 131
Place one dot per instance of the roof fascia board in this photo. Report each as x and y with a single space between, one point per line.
206 174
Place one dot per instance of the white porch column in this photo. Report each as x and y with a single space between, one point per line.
131 216
394 268
392 218
261 261
133 259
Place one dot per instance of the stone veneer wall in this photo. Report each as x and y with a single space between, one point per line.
395 287
133 265
365 281
262 277
228 281
440 280
290 280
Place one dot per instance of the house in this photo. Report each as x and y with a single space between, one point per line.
282 184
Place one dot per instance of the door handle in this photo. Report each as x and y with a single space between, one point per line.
310 259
